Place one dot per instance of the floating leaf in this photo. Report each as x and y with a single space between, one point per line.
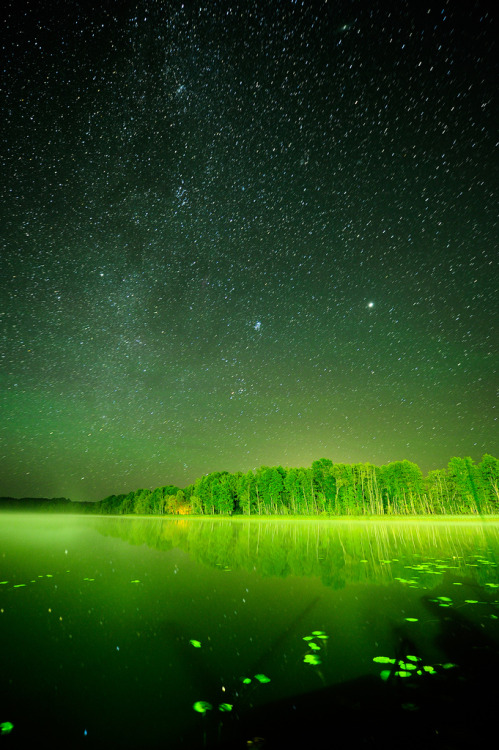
411 619
385 674
442 601
135 581
413 658
202 707
406 665
449 665
2 583
318 632
324 637
402 673
262 678
19 585
196 644
6 727
308 638
246 680
225 707
429 669
471 601
312 659
314 647
384 660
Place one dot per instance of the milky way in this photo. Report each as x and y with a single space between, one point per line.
244 233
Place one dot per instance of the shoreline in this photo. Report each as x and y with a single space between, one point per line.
317 519
254 518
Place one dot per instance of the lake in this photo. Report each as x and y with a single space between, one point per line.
146 632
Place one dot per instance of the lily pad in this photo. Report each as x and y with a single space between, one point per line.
196 644
202 707
312 659
262 678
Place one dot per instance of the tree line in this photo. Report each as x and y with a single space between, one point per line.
53 504
325 489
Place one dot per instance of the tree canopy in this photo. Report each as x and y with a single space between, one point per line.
327 489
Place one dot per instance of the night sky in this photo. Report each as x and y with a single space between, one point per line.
244 233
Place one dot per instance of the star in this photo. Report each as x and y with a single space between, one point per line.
188 188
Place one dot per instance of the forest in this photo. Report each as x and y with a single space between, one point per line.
325 489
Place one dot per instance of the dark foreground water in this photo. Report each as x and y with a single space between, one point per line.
297 634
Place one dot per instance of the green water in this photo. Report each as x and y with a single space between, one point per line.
97 616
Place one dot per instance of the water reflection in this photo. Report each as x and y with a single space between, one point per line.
106 611
422 595
336 552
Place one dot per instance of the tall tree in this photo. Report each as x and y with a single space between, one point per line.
468 492
489 472
246 493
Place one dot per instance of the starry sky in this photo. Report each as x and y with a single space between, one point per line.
244 233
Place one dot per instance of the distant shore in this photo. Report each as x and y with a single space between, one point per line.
474 518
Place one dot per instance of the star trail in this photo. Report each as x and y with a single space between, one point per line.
244 233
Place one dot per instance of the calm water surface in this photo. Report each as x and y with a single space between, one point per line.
100 619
